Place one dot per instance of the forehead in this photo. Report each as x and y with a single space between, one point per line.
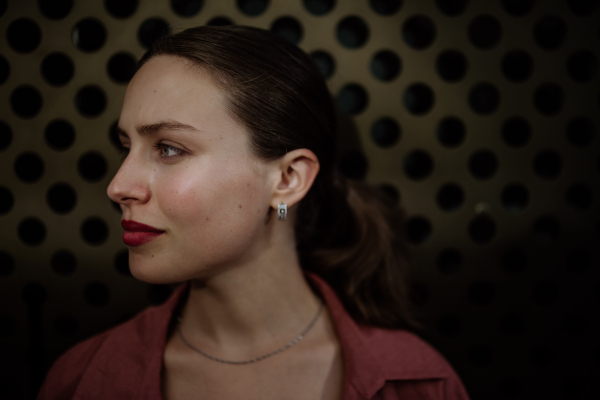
171 88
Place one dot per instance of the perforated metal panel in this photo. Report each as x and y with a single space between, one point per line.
480 117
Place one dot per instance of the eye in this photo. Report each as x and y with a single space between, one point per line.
167 151
122 150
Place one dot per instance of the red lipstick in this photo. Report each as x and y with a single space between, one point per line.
137 233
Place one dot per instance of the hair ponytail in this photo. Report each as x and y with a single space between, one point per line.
347 232
355 242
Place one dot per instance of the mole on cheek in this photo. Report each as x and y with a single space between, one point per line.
240 206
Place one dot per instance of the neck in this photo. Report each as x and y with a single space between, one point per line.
252 307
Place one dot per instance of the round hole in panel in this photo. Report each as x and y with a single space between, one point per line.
385 132
578 260
5 135
121 67
517 8
57 69
288 28
579 196
583 7
515 197
580 131
516 132
452 8
485 32
7 200
517 66
219 21
7 264
543 355
151 30
4 69
481 293
31 231
451 65
23 35
252 8
573 387
59 134
450 197
26 101
418 164
514 260
418 229
352 99
480 356
484 98
352 32
89 35
55 9
418 98
582 66
549 32
418 294
121 262
512 324
61 198
29 167
319 7
63 263
96 294
92 166
482 229
66 325
385 7
418 32
94 231
483 164
547 164
121 9
449 325
451 132
3 4
353 164
325 62
575 324
391 192
187 8
545 293
548 99
386 65
546 229
90 101
449 261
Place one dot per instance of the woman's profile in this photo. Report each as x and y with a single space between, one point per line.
293 277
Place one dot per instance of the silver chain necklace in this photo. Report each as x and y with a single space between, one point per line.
256 359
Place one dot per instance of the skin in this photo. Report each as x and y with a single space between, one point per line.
190 171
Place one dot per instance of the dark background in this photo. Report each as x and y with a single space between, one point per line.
480 117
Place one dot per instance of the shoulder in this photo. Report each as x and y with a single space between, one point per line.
412 365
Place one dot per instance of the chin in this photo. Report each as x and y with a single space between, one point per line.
152 270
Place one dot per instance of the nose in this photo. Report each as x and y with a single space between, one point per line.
130 185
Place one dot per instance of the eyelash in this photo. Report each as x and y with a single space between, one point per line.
124 151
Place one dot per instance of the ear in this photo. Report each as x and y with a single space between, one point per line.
296 172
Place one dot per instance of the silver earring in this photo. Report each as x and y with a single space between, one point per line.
282 212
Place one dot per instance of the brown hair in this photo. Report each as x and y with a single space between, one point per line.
347 232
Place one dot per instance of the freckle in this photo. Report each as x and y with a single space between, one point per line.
152 255
240 206
207 218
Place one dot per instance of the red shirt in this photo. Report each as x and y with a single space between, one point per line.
125 362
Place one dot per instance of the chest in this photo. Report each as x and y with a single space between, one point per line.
313 374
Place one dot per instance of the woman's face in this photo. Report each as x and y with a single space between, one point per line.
189 173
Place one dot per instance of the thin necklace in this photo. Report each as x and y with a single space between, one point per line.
256 359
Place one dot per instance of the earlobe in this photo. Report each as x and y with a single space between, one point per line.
297 171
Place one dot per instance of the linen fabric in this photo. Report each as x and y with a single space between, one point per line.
125 362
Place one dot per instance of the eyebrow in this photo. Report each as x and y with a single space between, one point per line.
145 130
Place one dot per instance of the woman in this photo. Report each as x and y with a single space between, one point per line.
293 276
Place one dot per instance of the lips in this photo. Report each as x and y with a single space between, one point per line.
137 233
